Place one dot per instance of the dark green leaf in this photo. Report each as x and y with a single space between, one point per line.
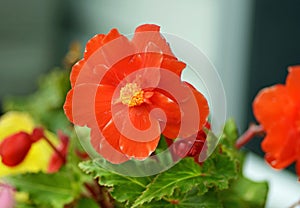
191 199
125 188
86 203
216 172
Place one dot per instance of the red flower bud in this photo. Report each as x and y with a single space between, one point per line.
37 134
189 147
58 158
14 148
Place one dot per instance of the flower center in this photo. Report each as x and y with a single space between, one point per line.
132 95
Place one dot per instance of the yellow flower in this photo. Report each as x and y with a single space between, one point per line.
40 152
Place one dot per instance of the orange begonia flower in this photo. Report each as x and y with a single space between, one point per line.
129 92
277 108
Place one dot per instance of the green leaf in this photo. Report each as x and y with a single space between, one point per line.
86 203
162 145
125 189
191 199
245 193
230 133
218 182
187 175
216 172
227 144
49 190
24 205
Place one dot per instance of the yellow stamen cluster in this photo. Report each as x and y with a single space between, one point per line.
132 95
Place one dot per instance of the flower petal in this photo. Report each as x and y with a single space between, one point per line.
121 70
273 104
203 107
170 108
298 167
80 103
171 130
137 124
293 83
139 142
111 132
102 53
7 196
88 72
103 102
173 65
75 71
168 105
147 28
105 149
138 150
147 33
100 40
68 106
93 44
278 142
139 117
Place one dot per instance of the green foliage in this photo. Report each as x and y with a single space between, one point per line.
218 182
191 199
45 105
86 203
187 175
125 188
245 193
49 190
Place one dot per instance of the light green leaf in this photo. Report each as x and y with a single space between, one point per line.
245 193
49 190
230 133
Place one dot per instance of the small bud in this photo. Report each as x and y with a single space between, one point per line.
37 134
14 148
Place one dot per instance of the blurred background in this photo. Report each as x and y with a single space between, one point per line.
250 42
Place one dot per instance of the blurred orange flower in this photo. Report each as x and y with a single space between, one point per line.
277 108
120 78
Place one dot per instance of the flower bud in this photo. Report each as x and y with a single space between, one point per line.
14 148
37 134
